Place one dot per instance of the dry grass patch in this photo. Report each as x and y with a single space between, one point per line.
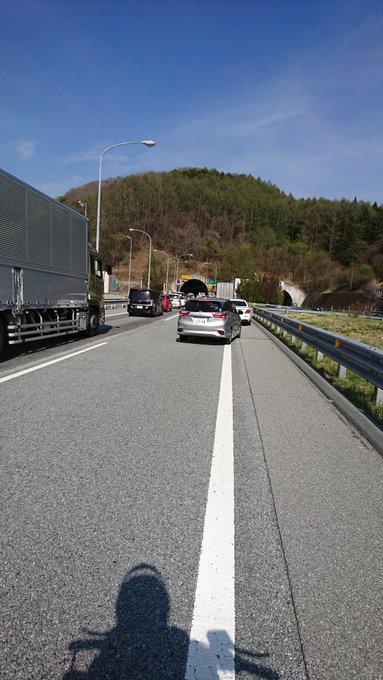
367 330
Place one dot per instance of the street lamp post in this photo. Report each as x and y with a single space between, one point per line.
130 262
156 250
150 250
147 142
180 256
216 271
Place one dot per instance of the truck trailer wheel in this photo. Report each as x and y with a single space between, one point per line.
93 323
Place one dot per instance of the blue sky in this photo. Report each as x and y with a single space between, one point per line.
290 91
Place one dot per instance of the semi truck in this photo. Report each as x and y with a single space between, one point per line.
51 279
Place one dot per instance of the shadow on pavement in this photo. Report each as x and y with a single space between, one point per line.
142 645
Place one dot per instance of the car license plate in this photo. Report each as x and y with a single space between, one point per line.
139 307
200 320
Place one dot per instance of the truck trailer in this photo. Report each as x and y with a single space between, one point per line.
225 289
51 280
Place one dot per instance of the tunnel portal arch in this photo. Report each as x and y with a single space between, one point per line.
194 286
293 295
287 299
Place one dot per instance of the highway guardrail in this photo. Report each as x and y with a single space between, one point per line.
362 359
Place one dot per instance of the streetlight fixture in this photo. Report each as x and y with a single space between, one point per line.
150 250
156 250
147 142
85 206
130 262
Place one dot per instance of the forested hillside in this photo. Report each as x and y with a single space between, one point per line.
242 224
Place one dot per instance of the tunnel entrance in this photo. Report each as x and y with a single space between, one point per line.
194 286
287 299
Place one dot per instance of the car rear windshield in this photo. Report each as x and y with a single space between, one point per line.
137 295
203 306
239 303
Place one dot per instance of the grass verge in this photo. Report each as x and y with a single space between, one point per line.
358 390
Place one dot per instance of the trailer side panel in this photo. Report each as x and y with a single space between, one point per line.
44 239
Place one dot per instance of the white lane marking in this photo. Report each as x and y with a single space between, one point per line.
49 363
109 316
212 637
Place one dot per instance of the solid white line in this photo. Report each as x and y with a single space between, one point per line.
49 363
109 316
212 638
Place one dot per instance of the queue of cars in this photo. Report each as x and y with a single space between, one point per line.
148 302
177 300
199 317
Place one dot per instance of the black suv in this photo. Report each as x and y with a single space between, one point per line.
144 301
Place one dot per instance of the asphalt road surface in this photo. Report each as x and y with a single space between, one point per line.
183 511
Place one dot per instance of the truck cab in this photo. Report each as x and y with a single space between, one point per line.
95 291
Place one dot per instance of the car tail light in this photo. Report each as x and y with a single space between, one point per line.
219 316
184 313
220 332
247 311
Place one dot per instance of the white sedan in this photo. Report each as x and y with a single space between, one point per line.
244 310
176 300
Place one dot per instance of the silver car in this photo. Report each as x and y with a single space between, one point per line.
209 318
244 310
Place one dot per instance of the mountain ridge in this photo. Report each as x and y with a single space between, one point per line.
242 224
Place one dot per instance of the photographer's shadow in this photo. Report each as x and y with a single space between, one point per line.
142 646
